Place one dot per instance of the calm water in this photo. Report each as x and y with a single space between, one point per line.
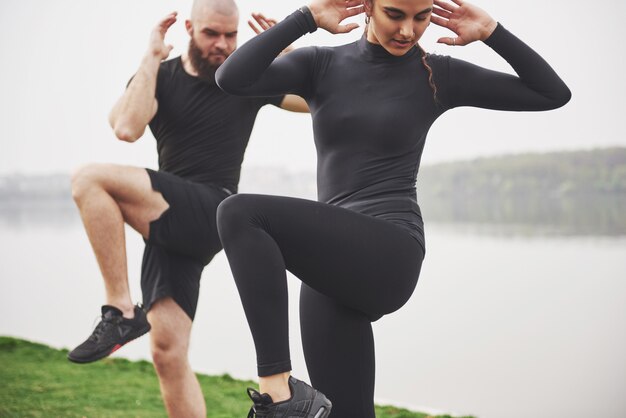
500 325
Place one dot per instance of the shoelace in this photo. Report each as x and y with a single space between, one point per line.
103 326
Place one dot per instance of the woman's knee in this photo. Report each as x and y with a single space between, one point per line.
233 213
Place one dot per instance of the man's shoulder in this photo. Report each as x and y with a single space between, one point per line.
169 74
171 65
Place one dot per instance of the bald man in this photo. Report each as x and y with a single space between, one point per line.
201 136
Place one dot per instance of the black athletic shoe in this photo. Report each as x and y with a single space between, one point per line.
110 334
305 402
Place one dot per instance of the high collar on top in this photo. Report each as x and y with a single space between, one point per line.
376 53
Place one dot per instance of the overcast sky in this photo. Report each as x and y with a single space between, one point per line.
65 62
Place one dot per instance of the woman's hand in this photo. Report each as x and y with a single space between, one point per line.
328 14
468 22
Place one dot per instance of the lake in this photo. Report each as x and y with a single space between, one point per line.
503 323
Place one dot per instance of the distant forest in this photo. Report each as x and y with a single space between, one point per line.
571 193
556 174
598 173
564 193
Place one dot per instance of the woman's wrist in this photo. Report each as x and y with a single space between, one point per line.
488 29
315 12
310 19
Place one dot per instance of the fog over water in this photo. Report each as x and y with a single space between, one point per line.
520 306
519 317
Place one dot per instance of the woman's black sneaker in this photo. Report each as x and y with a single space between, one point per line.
305 402
111 333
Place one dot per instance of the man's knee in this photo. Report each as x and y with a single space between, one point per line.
168 355
169 337
85 179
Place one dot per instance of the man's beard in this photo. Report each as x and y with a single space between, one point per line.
205 69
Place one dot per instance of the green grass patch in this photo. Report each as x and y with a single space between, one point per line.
39 381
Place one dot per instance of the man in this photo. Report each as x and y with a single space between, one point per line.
201 137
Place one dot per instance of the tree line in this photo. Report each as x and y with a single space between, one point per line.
555 174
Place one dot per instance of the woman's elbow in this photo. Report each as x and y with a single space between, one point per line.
556 98
229 81
563 96
223 81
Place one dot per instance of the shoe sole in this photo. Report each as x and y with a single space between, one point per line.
323 406
107 352
322 413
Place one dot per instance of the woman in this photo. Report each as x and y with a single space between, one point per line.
359 252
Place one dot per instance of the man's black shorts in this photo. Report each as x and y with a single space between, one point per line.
181 242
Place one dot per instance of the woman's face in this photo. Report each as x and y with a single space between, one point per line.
397 25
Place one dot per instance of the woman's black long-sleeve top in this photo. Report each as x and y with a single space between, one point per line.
371 110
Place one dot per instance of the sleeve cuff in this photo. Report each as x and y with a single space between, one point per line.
311 26
496 35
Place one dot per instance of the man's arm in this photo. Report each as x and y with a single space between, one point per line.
294 103
138 105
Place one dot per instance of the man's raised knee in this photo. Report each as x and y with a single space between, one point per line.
84 179
93 177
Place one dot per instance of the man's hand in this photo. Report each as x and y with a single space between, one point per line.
137 106
264 24
157 46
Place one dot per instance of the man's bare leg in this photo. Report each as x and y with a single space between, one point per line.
108 195
171 329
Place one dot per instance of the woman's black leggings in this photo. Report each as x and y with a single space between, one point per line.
354 268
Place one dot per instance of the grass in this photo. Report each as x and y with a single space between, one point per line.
38 381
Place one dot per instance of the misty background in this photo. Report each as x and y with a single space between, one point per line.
66 62
521 302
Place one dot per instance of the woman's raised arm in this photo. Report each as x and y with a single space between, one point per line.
253 69
536 86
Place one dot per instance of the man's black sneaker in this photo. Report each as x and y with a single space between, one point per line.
305 402
110 334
